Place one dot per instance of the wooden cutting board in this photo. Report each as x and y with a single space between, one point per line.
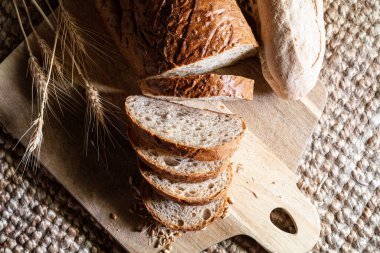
278 133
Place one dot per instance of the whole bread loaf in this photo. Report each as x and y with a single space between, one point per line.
203 87
293 43
169 38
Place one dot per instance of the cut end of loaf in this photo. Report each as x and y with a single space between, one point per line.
210 63
201 87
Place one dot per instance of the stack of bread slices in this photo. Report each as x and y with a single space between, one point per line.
184 153
184 158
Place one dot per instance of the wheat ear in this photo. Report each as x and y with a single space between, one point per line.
41 80
100 113
71 32
47 54
60 85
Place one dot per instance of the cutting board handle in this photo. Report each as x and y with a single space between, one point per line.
255 216
265 185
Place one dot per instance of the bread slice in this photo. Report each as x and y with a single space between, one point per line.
203 87
185 131
180 216
187 192
176 167
171 38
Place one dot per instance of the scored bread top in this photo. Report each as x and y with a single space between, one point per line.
207 86
181 216
157 36
188 192
190 132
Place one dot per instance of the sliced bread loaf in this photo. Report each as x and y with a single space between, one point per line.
185 131
169 38
185 192
176 167
180 216
204 87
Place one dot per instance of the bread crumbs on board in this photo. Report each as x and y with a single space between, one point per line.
158 234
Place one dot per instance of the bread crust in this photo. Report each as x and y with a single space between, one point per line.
199 86
294 44
171 173
220 152
157 36
147 195
163 192
293 38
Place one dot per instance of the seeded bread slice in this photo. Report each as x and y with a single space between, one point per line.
185 131
185 192
176 167
180 216
202 87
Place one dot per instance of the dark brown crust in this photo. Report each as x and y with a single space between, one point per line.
199 86
156 36
172 174
147 195
143 170
220 152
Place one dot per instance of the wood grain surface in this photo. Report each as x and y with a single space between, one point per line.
278 133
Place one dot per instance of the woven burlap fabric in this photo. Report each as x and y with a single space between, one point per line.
339 171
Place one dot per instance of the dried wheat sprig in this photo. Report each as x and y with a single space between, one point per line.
60 84
47 54
99 113
68 24
80 37
41 80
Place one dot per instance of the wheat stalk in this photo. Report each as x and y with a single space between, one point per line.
41 80
47 53
60 84
100 114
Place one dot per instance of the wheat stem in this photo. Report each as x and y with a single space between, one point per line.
41 81
75 48
51 10
22 29
43 14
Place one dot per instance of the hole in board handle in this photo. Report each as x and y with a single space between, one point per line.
283 220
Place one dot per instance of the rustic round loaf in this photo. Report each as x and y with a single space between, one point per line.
293 37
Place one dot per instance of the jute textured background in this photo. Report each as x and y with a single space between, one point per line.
339 171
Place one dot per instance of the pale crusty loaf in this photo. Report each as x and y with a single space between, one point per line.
188 192
181 216
293 37
185 131
204 87
170 38
175 167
